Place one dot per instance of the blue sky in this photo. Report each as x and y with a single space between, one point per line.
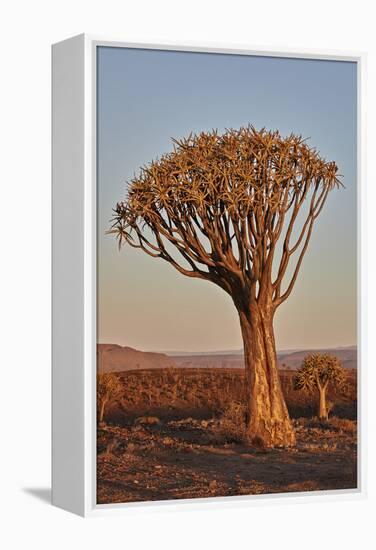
146 97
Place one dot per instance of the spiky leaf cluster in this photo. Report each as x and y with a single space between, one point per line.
318 371
221 201
109 386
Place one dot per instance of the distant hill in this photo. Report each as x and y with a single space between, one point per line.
286 359
348 357
112 357
214 353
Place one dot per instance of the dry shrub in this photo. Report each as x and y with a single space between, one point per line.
343 425
316 422
232 423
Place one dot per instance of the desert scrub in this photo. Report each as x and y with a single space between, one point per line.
232 424
343 425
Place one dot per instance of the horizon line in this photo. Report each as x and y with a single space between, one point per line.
226 351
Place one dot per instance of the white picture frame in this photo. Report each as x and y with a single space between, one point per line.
74 278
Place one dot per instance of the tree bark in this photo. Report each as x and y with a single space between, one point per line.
268 421
101 412
323 411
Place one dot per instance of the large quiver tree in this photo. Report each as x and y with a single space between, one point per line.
225 208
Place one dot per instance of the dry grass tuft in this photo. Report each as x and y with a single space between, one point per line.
334 424
232 423
343 425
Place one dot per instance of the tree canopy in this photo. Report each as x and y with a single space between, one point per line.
109 388
318 371
220 202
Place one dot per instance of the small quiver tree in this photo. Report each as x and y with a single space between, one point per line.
317 373
238 210
109 388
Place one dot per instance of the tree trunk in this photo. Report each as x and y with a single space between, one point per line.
323 411
101 411
268 421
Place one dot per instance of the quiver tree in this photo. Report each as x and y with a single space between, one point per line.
317 373
109 388
225 208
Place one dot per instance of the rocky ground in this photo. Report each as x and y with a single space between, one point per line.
148 459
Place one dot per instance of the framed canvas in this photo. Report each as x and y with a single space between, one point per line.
208 275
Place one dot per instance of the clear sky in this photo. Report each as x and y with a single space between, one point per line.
145 97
